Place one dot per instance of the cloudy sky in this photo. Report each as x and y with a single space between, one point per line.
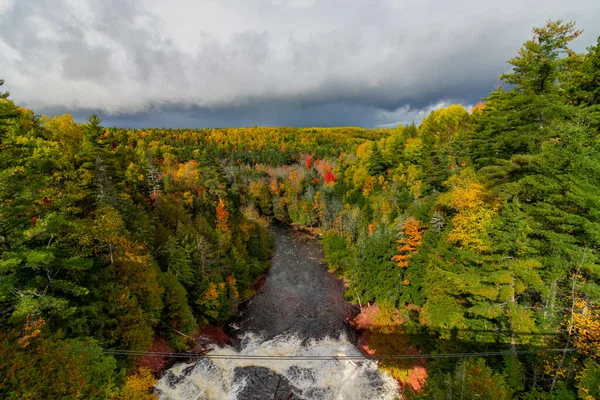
194 63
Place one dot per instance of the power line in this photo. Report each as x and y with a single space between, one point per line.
318 357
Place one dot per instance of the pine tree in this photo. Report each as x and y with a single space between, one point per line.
177 318
518 120
582 83
375 162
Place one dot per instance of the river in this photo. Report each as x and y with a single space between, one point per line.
281 339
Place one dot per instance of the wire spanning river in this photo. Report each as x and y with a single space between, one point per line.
300 313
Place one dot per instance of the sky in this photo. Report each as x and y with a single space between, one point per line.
217 63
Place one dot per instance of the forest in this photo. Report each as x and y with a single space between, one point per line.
473 231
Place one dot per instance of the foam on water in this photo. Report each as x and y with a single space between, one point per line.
209 379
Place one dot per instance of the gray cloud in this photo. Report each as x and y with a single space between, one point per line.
83 62
259 62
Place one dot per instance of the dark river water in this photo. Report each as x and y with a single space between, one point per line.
281 338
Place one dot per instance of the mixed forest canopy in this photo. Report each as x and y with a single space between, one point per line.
477 229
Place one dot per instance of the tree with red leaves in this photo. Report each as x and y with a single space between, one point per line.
329 178
308 160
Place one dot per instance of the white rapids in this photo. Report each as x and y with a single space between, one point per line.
216 378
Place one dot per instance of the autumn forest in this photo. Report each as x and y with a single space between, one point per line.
473 231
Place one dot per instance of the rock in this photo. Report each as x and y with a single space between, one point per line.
305 374
264 384
171 379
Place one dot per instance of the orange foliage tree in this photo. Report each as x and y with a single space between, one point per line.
409 242
308 160
222 217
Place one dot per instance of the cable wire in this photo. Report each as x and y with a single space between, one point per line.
318 357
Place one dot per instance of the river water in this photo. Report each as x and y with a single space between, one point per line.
299 314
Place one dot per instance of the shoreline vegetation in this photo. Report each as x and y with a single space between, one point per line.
475 231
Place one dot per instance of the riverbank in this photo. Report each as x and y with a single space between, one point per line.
201 342
380 331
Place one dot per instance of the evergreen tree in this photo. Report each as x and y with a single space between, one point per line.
375 162
520 119
177 319
582 83
472 379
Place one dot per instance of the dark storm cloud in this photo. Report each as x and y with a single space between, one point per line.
255 62
265 113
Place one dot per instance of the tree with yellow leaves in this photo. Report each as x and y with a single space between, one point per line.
586 326
474 213
138 385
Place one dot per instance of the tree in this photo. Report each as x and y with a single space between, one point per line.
177 318
582 82
138 386
40 365
538 66
409 241
222 217
128 326
519 119
474 216
66 131
93 132
589 381
3 95
329 178
443 139
472 380
8 111
375 161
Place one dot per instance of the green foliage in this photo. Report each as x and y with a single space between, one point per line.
472 379
582 83
177 318
89 217
588 386
521 119
336 251
375 162
45 366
